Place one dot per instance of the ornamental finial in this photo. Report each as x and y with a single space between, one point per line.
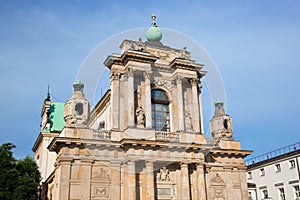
78 86
153 17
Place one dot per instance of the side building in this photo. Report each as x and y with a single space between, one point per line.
275 175
144 139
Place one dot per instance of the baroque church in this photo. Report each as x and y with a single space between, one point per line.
144 139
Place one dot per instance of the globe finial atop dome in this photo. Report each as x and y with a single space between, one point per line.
153 33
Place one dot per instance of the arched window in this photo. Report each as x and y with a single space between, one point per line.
160 110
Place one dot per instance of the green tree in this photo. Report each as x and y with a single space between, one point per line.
19 179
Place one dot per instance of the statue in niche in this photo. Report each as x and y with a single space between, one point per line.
187 114
187 120
140 117
163 175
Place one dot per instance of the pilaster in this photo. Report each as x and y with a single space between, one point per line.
86 171
201 110
130 94
131 180
148 112
196 121
180 104
115 99
64 178
149 181
201 182
185 183
115 180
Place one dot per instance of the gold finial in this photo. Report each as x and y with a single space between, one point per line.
153 17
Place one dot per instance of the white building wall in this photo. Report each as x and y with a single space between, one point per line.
287 178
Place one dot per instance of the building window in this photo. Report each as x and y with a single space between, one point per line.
79 109
292 164
265 194
297 191
250 196
160 110
249 175
262 172
101 125
277 168
281 194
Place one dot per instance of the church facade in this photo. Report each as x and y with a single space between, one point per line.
144 139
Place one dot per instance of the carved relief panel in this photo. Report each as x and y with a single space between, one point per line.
217 189
165 186
101 183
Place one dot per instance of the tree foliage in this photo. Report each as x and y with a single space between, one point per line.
19 179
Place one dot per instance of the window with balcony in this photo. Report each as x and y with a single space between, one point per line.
160 110
297 192
262 172
249 175
250 197
292 164
277 168
281 194
265 194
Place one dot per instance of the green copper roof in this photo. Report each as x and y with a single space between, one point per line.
153 33
219 101
57 121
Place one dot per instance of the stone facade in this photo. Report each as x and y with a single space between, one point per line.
144 139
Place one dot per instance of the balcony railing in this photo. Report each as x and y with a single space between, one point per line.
101 134
167 136
273 154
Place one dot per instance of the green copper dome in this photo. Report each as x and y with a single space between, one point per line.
153 33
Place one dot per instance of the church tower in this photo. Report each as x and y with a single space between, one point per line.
77 108
221 123
144 139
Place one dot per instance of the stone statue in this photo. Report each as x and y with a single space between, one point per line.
184 53
140 117
187 120
164 174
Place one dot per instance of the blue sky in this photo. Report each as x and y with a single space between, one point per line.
255 45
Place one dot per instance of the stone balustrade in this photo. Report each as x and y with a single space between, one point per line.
167 136
102 135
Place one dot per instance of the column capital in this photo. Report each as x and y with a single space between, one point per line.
115 163
178 79
194 81
114 76
200 165
149 163
130 72
147 74
130 162
124 77
183 164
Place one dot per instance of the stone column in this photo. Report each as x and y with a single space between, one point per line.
201 182
124 185
86 172
201 110
115 180
130 98
180 104
185 183
149 181
148 112
131 181
64 178
115 98
196 120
